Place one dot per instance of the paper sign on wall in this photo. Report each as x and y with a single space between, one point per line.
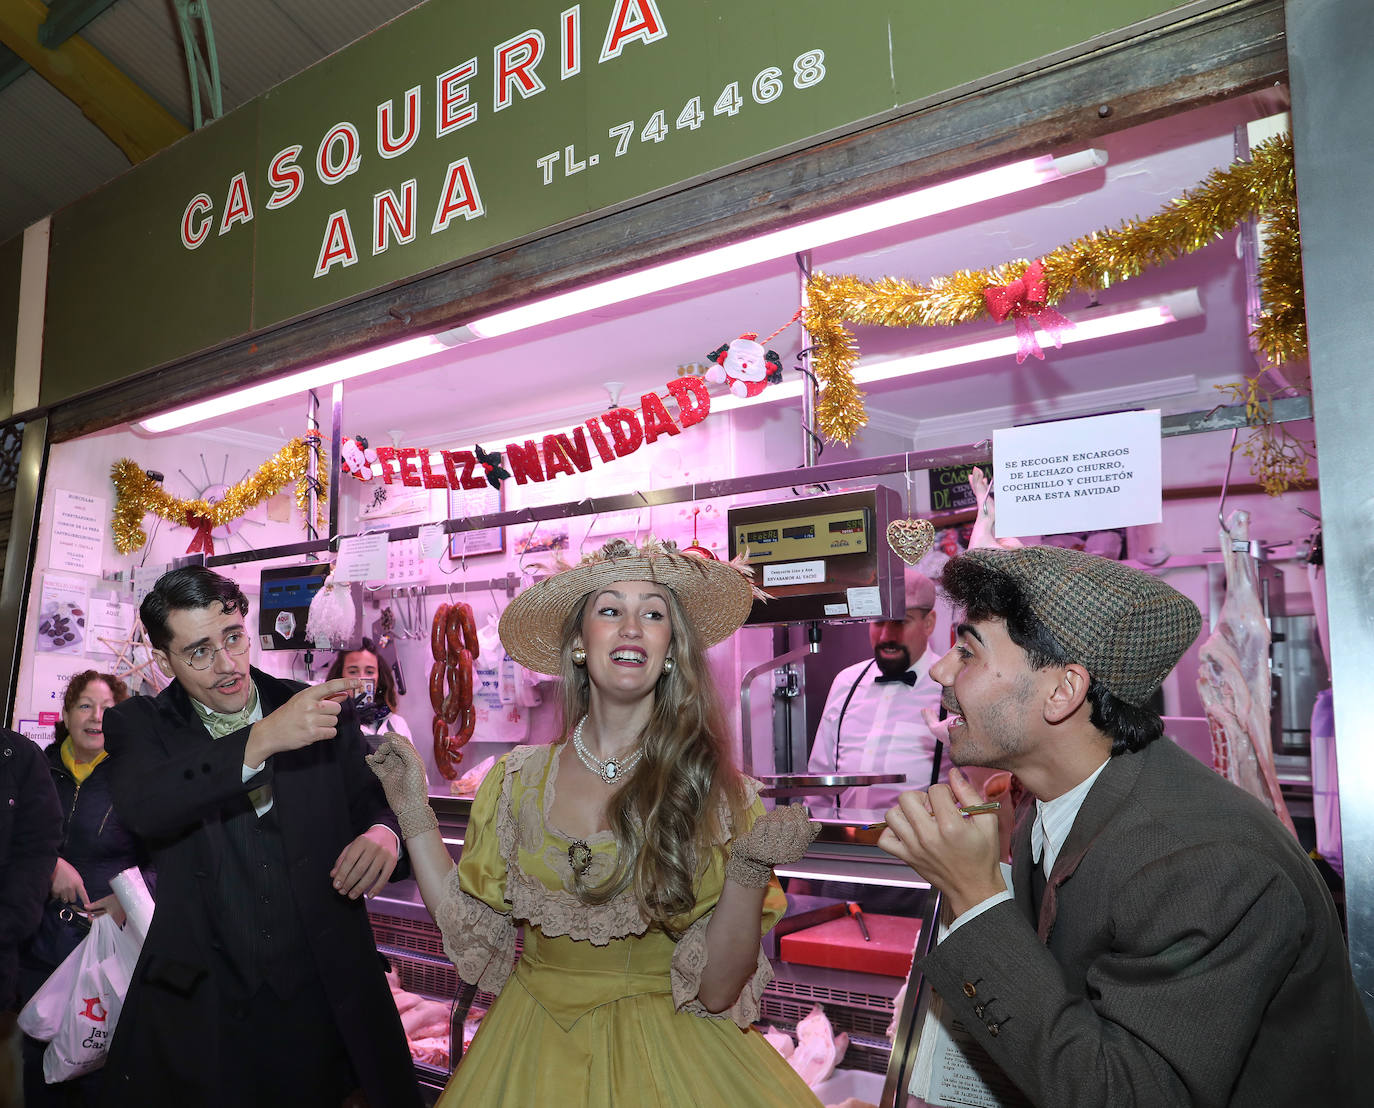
78 532
110 620
1078 475
50 675
62 615
145 577
40 733
362 558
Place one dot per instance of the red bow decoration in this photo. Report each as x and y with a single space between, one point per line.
1024 301
201 542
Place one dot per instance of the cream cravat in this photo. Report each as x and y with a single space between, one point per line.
220 724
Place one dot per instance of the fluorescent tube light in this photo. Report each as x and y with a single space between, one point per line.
892 212
1094 323
317 376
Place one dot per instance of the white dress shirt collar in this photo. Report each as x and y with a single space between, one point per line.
1054 820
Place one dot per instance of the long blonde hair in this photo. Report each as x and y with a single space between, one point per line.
666 816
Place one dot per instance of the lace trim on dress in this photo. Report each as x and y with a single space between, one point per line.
559 911
688 964
479 941
554 911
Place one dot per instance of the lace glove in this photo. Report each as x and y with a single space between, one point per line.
398 767
777 837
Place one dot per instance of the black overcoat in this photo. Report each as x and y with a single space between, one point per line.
173 786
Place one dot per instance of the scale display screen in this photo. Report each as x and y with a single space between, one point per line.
806 536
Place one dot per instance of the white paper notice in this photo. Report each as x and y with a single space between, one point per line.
433 541
51 673
794 573
865 603
1078 475
361 558
145 577
78 534
109 621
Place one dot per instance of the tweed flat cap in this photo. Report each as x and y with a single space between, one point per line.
1126 628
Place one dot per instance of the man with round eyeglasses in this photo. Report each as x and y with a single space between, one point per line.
259 982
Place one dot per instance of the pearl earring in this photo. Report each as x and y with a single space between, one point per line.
579 656
668 665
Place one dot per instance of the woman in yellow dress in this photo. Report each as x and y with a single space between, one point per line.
636 858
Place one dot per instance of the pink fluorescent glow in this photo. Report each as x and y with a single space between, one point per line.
893 212
330 373
1098 323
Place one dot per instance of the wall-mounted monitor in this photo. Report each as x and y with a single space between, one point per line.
284 604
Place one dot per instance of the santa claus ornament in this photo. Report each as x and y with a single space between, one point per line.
746 365
356 457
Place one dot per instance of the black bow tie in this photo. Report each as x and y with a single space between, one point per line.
908 678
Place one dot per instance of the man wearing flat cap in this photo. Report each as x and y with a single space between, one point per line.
1168 942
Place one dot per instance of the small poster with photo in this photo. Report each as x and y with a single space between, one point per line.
378 500
466 503
62 611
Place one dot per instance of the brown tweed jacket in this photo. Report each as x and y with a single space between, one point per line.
1187 953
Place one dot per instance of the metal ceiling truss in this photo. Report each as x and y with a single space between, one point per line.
202 62
45 38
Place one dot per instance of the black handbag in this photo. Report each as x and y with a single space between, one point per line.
59 931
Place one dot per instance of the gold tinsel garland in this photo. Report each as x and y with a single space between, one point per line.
137 494
1262 187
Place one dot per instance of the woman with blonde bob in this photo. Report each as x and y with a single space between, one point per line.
638 860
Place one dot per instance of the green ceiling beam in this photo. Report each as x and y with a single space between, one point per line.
66 17
132 119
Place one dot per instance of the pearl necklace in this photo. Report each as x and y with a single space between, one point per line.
612 769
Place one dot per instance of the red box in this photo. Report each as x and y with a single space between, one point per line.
838 944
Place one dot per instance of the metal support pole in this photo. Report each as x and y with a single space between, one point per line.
335 458
1328 60
312 471
745 699
14 590
808 398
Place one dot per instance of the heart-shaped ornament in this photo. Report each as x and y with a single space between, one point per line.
910 538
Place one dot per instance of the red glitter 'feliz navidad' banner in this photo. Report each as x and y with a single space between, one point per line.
611 435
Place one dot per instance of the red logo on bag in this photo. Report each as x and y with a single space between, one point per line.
94 1009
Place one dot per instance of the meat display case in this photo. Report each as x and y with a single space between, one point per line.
846 868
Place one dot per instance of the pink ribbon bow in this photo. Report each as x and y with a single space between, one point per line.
1024 301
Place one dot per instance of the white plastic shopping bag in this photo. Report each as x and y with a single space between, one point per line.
42 1015
104 963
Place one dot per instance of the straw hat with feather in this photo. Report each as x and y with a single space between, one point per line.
715 595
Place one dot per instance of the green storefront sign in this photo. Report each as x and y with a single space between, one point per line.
459 128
